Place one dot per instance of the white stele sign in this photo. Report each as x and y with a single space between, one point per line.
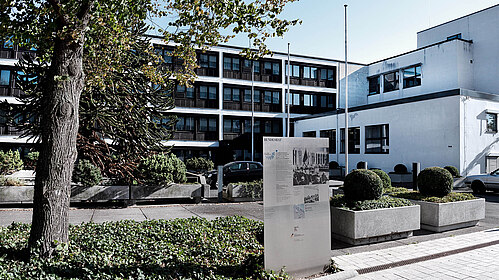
296 203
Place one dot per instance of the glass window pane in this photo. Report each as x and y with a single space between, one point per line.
275 69
227 93
296 99
257 97
212 93
180 89
212 125
247 63
4 77
296 71
203 124
257 66
235 64
189 92
268 127
247 126
235 95
203 92
189 123
306 100
330 75
275 127
180 123
247 95
275 97
212 61
236 126
306 72
256 128
227 126
268 97
418 70
203 60
227 63
313 73
323 74
323 101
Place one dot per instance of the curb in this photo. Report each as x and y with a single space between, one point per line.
343 275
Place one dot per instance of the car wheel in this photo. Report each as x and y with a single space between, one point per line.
478 187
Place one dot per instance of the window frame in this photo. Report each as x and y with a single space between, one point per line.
487 124
378 86
331 135
395 81
415 77
354 140
382 141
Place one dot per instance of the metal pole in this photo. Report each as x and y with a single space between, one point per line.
346 95
289 95
252 111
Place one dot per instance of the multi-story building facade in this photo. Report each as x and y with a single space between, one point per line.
436 105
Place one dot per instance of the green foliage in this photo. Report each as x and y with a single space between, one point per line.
251 189
387 182
435 181
393 190
332 267
199 164
451 197
86 173
10 162
162 169
31 159
362 184
195 248
453 171
9 181
400 169
383 202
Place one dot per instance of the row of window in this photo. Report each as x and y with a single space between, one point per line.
411 78
312 100
311 72
238 94
377 139
238 126
205 124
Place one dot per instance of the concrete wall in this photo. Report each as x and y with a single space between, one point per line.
424 131
476 143
483 29
357 85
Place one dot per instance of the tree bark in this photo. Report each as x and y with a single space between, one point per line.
59 121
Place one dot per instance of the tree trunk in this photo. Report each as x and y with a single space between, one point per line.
58 153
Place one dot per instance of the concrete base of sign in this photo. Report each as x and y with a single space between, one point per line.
238 193
370 226
440 217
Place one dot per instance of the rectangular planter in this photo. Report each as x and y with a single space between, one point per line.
237 193
195 191
440 217
370 226
400 178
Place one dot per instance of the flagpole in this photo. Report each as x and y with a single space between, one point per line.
346 95
289 100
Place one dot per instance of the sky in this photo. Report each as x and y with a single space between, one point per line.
377 29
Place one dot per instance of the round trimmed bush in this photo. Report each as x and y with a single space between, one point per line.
387 182
453 170
86 173
400 168
333 165
360 164
162 169
199 164
435 181
362 184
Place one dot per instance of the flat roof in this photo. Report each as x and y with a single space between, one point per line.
457 18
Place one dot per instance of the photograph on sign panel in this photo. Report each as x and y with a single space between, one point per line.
310 167
311 194
299 210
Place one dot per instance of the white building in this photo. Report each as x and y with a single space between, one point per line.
436 105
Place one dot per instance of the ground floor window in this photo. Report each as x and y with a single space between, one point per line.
353 140
377 139
309 134
331 135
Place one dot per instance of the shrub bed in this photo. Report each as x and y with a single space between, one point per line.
225 248
252 189
199 164
383 202
451 197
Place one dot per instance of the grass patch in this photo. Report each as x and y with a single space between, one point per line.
451 197
383 202
194 248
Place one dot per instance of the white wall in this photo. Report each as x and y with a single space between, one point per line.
425 131
357 85
444 67
476 143
483 29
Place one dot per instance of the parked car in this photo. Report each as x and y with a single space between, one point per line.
237 171
481 183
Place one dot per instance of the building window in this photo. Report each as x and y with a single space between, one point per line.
232 126
374 85
353 140
233 94
295 71
247 95
309 134
236 95
391 81
412 76
307 100
207 124
183 91
377 139
327 74
456 36
231 63
491 122
208 61
256 98
331 135
185 124
296 99
4 77
208 92
309 72
275 97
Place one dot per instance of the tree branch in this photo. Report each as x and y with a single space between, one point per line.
57 9
84 13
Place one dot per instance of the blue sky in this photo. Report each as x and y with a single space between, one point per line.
377 29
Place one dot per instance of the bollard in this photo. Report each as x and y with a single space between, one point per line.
416 168
220 180
362 165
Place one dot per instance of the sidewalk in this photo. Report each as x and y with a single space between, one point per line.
467 256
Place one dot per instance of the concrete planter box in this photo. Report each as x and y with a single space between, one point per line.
237 193
401 178
16 194
195 191
370 226
440 217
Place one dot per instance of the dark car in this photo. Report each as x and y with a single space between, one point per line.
237 171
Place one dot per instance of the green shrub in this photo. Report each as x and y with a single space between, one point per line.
451 197
383 202
387 182
31 159
9 181
435 181
453 171
251 189
362 184
194 248
162 169
333 165
10 162
395 190
199 164
86 173
400 169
